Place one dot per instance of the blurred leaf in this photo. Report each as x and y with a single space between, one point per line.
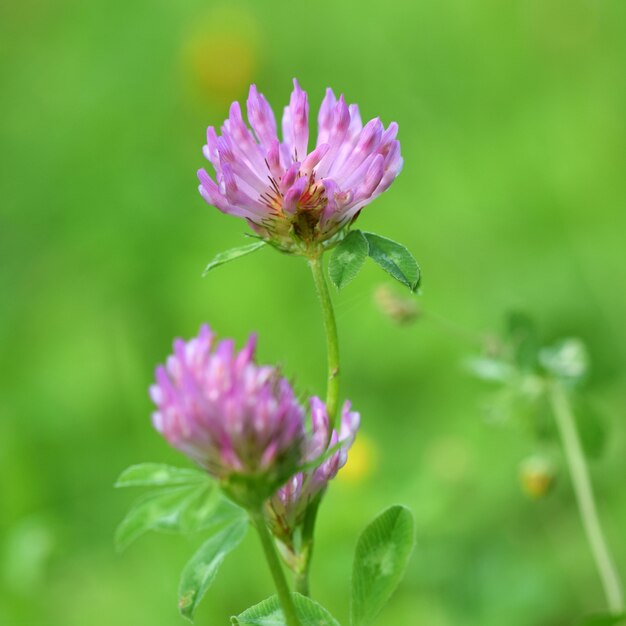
232 254
347 258
200 570
524 340
26 549
159 475
522 403
489 369
395 259
567 360
380 558
500 406
591 427
603 619
176 510
269 613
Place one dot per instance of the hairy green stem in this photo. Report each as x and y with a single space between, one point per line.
280 582
585 498
332 342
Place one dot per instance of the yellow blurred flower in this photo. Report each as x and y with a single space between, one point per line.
221 54
537 475
362 460
450 459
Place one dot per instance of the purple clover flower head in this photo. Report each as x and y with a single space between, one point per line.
289 504
239 420
292 193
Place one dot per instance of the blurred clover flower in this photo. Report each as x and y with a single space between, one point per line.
288 506
239 420
294 198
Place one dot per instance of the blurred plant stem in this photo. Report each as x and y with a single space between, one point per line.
280 582
332 342
585 498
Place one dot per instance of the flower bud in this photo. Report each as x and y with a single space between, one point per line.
287 508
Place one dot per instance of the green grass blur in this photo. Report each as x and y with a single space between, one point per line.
513 195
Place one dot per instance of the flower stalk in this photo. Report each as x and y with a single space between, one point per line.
585 498
308 528
332 341
332 403
280 582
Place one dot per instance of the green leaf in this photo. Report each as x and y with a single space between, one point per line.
201 569
395 259
176 510
380 558
159 475
603 619
347 258
232 254
269 613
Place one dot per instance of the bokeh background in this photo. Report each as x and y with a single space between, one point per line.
513 195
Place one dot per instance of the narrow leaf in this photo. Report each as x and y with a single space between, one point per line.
347 258
201 569
159 475
395 259
232 254
269 613
381 556
603 619
176 510
316 462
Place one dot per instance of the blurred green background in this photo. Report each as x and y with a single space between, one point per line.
513 194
